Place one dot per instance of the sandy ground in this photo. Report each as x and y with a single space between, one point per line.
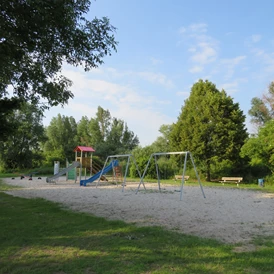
228 215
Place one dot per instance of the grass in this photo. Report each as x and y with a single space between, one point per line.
5 187
38 236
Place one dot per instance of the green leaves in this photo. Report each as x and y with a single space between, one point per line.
37 37
210 125
62 138
260 149
19 150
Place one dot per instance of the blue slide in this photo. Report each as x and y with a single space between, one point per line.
97 175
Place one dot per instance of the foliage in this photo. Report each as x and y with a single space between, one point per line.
109 136
167 164
36 38
262 109
141 155
259 112
211 126
62 139
7 107
22 149
260 149
162 143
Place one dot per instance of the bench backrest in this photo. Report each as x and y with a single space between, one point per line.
232 179
180 177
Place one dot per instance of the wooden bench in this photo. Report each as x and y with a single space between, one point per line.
236 180
180 177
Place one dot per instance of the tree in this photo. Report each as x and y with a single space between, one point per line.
83 132
259 112
210 126
120 139
23 148
62 139
260 149
103 118
262 109
36 38
162 143
106 134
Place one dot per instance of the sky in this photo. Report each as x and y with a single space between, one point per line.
166 46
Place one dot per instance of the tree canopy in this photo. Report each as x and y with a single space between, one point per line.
260 149
23 148
107 134
62 139
211 126
36 37
262 109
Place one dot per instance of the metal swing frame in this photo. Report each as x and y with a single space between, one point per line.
128 156
186 153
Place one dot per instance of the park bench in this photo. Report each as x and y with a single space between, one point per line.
180 177
236 180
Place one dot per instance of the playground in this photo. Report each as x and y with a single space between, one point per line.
231 215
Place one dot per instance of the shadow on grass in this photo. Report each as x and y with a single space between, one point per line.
38 236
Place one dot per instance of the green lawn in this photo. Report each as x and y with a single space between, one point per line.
37 236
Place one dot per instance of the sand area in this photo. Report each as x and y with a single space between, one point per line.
228 215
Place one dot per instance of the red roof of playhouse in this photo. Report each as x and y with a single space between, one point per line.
84 149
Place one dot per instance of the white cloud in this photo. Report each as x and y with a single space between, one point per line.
196 69
192 49
258 52
230 88
202 47
144 122
230 64
124 101
156 61
201 27
205 54
233 61
157 78
265 60
255 38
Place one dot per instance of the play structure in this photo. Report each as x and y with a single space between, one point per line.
114 158
83 154
83 162
64 171
112 165
155 155
100 173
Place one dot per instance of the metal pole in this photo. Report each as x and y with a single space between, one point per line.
142 178
125 177
157 171
197 175
183 177
102 172
114 173
137 168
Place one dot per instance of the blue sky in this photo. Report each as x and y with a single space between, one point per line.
164 48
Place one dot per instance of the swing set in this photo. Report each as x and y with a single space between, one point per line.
155 155
114 158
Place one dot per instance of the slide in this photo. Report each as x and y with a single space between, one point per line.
97 175
62 172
